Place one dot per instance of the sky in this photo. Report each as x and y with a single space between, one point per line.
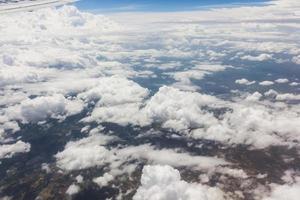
151 105
157 5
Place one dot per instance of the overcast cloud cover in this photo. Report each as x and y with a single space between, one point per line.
210 83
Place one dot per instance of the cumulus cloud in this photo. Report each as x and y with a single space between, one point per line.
289 190
244 81
73 189
261 57
40 108
243 121
184 78
83 154
73 61
114 91
164 183
180 110
103 180
170 157
92 151
296 60
282 97
79 179
282 80
118 101
9 150
294 84
266 83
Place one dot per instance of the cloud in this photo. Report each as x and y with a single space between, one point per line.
266 83
170 157
294 84
144 71
282 80
41 108
296 60
103 180
243 121
244 81
261 57
289 190
282 97
179 110
118 100
198 72
164 183
9 150
85 153
92 152
73 189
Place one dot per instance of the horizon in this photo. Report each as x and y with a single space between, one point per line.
161 6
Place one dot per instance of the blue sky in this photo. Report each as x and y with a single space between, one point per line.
156 5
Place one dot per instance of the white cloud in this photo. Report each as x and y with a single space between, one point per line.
296 59
236 173
103 180
170 157
79 179
73 189
9 150
282 97
83 154
244 81
256 96
40 108
114 90
91 152
164 183
247 121
282 80
70 59
198 72
118 101
294 84
46 167
287 97
266 83
290 190
180 110
261 57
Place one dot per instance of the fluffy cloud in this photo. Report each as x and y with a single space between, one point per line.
282 97
282 80
114 91
244 81
170 157
184 78
118 101
9 150
40 108
180 110
294 84
261 57
85 153
73 189
289 190
164 183
92 151
103 180
296 60
245 121
71 60
266 83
